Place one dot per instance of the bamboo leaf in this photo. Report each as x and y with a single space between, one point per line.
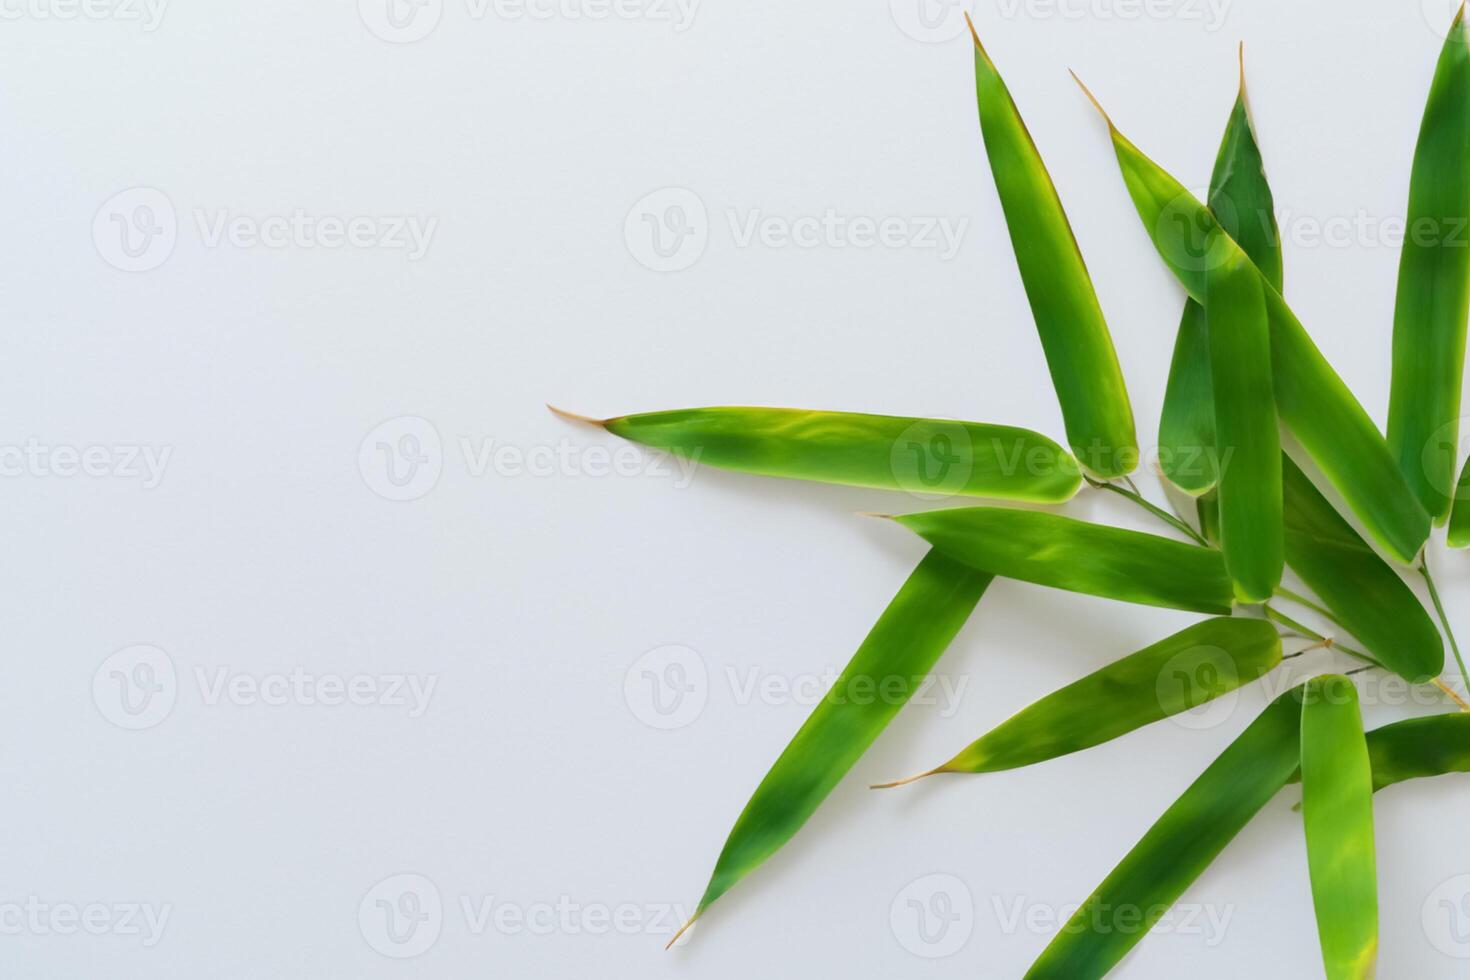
890 664
1458 535
1194 666
1208 510
1079 350
1187 446
1240 200
887 452
1311 399
1178 847
1337 809
1419 748
1366 595
1245 416
1429 317
1078 556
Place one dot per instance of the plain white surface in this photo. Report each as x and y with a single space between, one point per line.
557 830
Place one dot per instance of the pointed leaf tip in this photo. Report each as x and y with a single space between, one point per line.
1093 99
683 929
974 33
574 417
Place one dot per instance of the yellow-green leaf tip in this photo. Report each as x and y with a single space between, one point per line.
574 417
905 782
683 929
975 34
1093 99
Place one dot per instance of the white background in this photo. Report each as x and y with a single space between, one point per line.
532 778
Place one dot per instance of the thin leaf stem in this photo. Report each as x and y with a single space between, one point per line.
1444 619
1153 509
1280 617
1455 695
1302 600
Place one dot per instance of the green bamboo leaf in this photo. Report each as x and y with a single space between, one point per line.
1311 399
1245 415
1187 449
1429 317
887 452
1208 510
1078 556
1195 665
883 674
1337 809
1366 595
1178 847
1458 535
1419 748
1240 200
1079 350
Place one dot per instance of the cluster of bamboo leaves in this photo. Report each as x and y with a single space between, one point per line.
1244 371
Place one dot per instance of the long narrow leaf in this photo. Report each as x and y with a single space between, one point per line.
1079 349
1419 748
1311 399
1245 416
898 653
1177 848
1458 535
1194 666
1078 556
1240 199
1429 317
920 456
1366 595
1337 809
